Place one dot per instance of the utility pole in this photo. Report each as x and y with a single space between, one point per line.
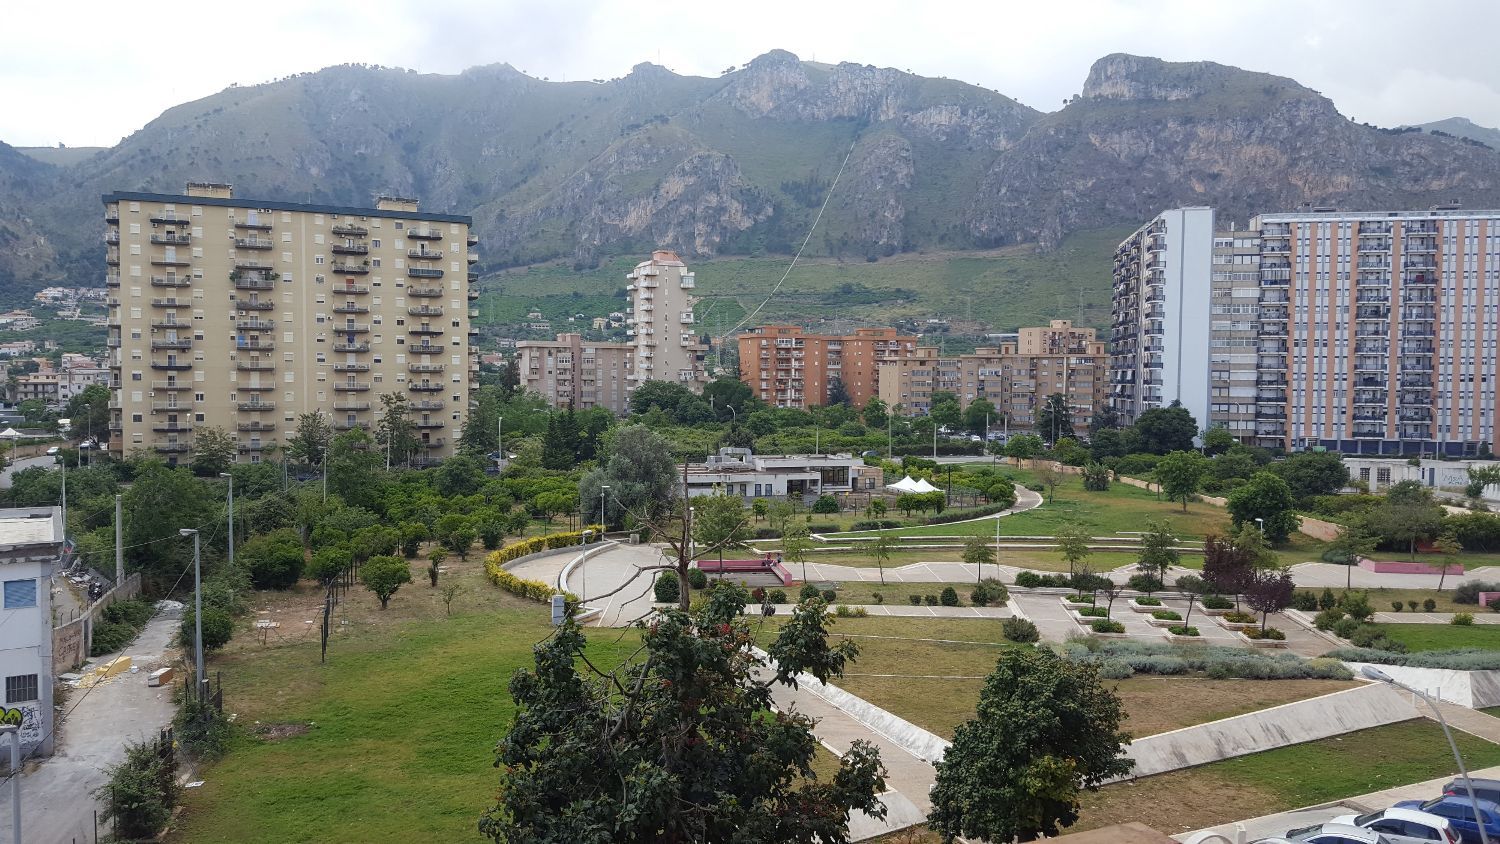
231 516
200 680
64 464
15 779
119 547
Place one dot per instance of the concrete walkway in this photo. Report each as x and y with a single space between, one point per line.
57 803
1334 576
909 611
941 572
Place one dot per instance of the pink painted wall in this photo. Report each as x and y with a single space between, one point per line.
1486 597
1397 567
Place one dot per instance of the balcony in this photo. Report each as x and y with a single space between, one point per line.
171 239
171 385
474 259
171 281
424 234
170 447
426 386
351 328
351 347
254 445
254 305
425 254
348 248
437 442
428 423
112 280
172 428
253 243
349 269
255 388
424 329
168 218
351 367
112 257
473 295
163 324
426 349
351 406
473 277
254 365
261 346
425 367
426 404
425 310
350 309
173 365
255 325
350 231
167 262
352 387
424 291
185 406
423 272
168 303
243 283
257 426
255 406
185 343
255 225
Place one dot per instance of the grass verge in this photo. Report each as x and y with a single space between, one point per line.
1442 637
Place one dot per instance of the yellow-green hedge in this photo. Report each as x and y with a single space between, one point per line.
533 589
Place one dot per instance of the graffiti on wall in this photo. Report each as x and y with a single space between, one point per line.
26 716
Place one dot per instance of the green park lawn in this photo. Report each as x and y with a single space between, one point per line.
1285 778
400 724
1443 637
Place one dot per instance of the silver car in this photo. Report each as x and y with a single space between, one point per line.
1329 833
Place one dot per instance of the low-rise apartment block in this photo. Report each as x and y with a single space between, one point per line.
788 367
245 313
1016 383
577 373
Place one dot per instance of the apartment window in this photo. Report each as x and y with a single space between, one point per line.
135 417
20 594
375 243
20 688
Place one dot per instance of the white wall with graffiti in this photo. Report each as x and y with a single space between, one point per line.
26 647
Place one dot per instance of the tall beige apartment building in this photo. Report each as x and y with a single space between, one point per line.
573 372
1017 383
662 325
244 313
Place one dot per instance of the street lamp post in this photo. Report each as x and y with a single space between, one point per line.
500 443
1261 523
888 440
14 731
197 608
231 515
1376 674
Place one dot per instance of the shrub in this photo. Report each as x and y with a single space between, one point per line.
808 591
842 611
758 595
1462 619
200 726
1239 618
1494 605
949 597
1304 601
1019 630
1144 583
1167 615
1270 633
1079 599
1115 669
859 612
826 504
697 579
777 596
930 600
1179 630
667 588
1461 659
822 527
1429 605
111 636
1326 601
1104 625
1345 627
1396 606
767 533
916 600
133 612
989 591
1411 605
1216 602
1033 580
875 524
1468 592
879 598
1325 619
218 627
1356 605
1093 612
1215 661
141 793
1148 601
828 596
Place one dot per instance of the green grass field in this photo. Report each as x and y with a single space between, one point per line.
1443 637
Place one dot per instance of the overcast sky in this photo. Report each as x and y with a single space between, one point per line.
86 72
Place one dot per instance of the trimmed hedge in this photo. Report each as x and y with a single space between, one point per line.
533 589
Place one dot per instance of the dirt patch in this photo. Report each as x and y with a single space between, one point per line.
1197 798
277 732
1159 704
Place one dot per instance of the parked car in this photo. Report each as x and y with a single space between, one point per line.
1404 824
53 451
1459 812
1483 789
1329 833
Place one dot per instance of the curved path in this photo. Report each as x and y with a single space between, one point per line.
1025 500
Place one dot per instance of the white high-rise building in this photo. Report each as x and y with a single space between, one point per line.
662 326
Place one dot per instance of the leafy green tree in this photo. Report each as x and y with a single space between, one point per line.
881 550
213 451
161 501
554 503
459 475
944 410
795 545
1179 474
1312 473
413 534
1163 430
1265 496
1046 728
1096 477
1073 543
724 393
977 552
838 394
354 469
874 413
1217 440
89 412
719 523
1479 478
383 576
590 760
978 413
1158 551
1351 545
661 395
557 455
394 431
328 563
218 628
1023 446
639 472
1053 419
310 444
1104 419
760 508
1408 516
273 560
1069 452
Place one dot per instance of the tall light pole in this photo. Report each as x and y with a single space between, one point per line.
888 414
197 608
1376 674
231 515
500 443
14 731
119 548
64 465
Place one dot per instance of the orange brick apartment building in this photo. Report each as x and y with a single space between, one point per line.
787 367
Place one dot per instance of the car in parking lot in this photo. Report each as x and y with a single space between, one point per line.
1459 812
1329 833
1484 789
1403 824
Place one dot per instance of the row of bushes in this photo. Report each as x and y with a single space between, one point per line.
536 590
1461 659
1120 659
119 624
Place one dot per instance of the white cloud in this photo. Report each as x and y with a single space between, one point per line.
91 72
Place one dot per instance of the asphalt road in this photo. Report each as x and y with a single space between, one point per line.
24 463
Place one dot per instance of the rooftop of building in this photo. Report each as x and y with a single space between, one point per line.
1438 212
26 526
279 205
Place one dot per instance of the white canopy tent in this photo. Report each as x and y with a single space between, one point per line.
906 484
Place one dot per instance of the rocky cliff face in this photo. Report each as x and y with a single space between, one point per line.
741 163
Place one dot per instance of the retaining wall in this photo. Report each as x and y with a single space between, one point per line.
1403 567
1474 689
72 642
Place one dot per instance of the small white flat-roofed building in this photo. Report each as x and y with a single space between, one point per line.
31 543
736 471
